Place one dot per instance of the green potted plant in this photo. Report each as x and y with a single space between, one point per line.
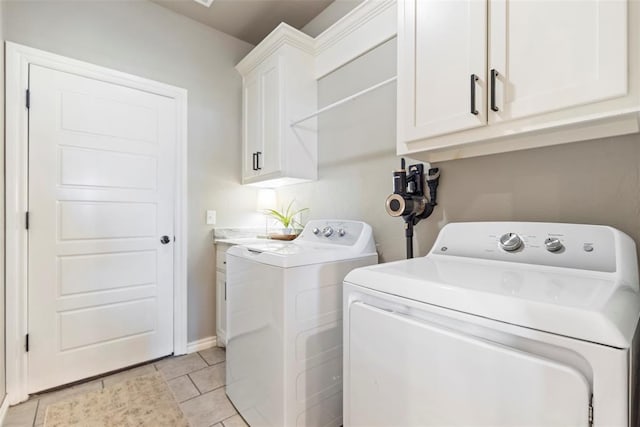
286 217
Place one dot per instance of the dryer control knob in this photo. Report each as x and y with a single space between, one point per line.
316 230
510 242
327 231
553 244
341 232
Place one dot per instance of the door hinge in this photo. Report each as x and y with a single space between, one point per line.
26 343
26 220
28 99
591 411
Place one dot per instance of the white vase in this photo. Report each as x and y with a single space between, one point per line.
287 231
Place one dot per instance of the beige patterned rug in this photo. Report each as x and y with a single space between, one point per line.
142 401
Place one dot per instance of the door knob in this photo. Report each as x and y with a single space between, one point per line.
164 240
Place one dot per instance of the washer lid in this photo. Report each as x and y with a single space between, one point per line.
288 255
574 303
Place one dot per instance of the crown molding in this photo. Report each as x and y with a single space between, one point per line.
281 35
354 20
368 25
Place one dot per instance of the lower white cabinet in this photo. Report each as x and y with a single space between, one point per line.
221 294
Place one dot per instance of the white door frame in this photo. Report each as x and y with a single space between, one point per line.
18 59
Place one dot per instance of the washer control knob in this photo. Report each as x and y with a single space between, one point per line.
327 231
316 230
341 232
553 244
510 242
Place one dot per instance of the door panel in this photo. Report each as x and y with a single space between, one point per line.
101 191
82 327
252 119
109 117
578 54
444 44
270 153
427 375
98 272
106 220
107 169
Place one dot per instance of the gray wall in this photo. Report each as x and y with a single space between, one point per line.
144 39
590 182
356 150
584 182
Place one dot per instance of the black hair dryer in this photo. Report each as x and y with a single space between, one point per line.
409 199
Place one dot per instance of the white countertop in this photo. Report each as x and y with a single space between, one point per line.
239 235
240 240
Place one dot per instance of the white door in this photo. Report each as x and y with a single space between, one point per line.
441 68
101 195
551 55
428 375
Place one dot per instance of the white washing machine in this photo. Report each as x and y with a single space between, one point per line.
284 323
501 324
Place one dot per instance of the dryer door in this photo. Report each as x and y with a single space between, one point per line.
427 375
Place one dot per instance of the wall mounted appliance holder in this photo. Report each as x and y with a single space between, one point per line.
409 199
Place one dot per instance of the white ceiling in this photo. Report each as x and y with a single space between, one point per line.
249 20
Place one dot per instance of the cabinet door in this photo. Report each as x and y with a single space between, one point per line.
271 96
262 119
251 122
441 45
551 55
221 308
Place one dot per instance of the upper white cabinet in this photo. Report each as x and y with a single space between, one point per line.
550 55
484 76
448 70
278 87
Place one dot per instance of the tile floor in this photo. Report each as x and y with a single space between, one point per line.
197 381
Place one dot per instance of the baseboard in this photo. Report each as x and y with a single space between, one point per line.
201 344
4 408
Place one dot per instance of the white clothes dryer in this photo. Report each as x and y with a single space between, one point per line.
501 324
284 323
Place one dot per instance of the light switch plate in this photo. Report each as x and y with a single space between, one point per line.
211 217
